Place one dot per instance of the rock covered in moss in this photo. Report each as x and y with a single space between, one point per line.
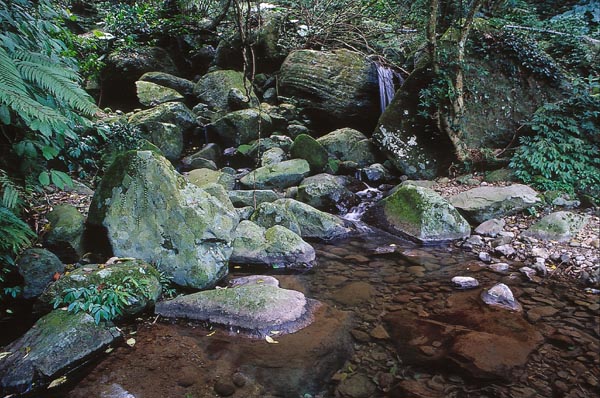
65 236
38 268
150 212
483 203
152 94
419 214
181 85
338 87
560 226
326 192
56 343
210 152
349 145
241 127
300 218
137 277
279 175
254 307
167 137
170 112
307 148
241 198
201 177
214 87
276 247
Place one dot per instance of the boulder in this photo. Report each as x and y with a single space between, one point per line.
300 218
326 192
276 247
350 145
65 236
307 148
209 154
38 268
264 144
170 112
483 203
280 175
337 89
168 137
419 214
182 86
376 172
272 156
240 127
254 307
150 212
253 198
213 89
152 94
491 227
56 343
201 177
560 226
140 279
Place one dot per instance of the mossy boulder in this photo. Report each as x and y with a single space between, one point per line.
560 226
170 112
307 148
152 213
240 127
280 175
350 145
484 203
326 192
337 89
38 268
65 236
181 85
209 154
300 218
152 94
167 137
275 247
202 177
213 89
55 344
242 198
419 214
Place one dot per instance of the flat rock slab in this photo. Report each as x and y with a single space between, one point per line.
56 343
484 342
175 360
254 306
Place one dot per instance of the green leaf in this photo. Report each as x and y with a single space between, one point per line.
4 114
49 152
44 178
61 179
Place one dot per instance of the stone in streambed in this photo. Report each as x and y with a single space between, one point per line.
501 296
57 342
65 236
280 175
560 226
240 127
349 145
307 148
38 267
465 282
242 198
326 192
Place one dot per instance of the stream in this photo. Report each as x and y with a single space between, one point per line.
388 328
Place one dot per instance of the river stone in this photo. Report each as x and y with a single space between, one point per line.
132 272
170 112
65 236
307 148
240 127
264 144
357 386
483 203
181 85
491 227
376 173
56 343
38 267
277 247
152 94
272 156
348 144
325 192
201 177
168 137
210 152
501 296
300 218
419 214
465 282
280 175
337 88
214 87
560 226
257 308
252 198
150 212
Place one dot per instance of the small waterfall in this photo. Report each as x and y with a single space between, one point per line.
368 198
387 90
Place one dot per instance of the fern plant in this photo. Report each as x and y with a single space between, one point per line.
14 236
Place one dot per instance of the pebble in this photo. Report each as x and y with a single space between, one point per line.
501 296
239 379
379 333
224 388
505 250
499 267
485 257
465 282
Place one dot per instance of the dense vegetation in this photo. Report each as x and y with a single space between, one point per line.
47 52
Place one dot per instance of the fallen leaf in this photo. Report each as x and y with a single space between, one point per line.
270 340
109 350
58 382
56 276
130 342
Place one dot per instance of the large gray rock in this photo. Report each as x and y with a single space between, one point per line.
152 94
141 280
253 198
280 175
209 154
56 343
483 203
38 267
339 88
350 145
170 112
307 148
168 137
275 247
253 306
65 236
419 214
214 89
201 177
241 127
325 192
300 218
181 85
560 226
150 212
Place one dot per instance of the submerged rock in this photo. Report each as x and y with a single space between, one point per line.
254 307
56 343
483 203
501 296
419 214
465 282
150 212
38 268
560 226
65 236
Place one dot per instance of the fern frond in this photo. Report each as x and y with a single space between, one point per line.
11 192
10 78
14 233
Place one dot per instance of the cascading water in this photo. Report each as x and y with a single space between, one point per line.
368 197
387 90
